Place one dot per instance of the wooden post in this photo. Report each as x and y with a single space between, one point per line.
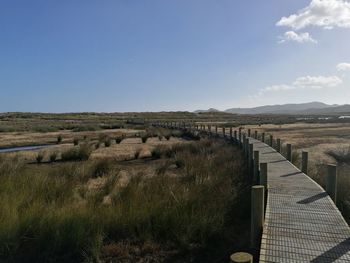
248 132
231 133
235 135
250 159
304 161
289 152
263 137
331 182
216 130
256 134
256 166
278 146
271 140
240 136
223 132
263 175
244 145
241 257
257 215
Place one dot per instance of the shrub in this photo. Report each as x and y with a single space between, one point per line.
53 156
167 137
39 158
118 140
137 153
341 155
108 142
97 145
144 138
102 167
59 138
156 153
76 141
81 153
179 163
160 137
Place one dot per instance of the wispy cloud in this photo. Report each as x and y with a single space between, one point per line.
307 82
321 13
297 37
343 67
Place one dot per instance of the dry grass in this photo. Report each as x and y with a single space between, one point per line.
101 210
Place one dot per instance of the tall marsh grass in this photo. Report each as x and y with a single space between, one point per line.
54 217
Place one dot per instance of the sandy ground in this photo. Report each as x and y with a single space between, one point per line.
8 139
123 151
314 138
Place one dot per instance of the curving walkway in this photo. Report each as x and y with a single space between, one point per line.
302 224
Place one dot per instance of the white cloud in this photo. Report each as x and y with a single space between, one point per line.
307 82
317 82
343 67
321 13
300 38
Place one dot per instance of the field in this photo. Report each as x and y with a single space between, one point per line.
147 198
109 190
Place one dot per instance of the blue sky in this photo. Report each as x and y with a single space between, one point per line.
154 55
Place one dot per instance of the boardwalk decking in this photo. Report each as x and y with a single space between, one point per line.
302 224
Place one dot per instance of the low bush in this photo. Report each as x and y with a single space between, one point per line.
107 142
59 138
102 167
80 153
156 153
39 158
53 157
341 155
137 153
118 140
75 141
144 138
167 137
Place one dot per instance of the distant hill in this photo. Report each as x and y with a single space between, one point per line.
310 108
281 109
209 110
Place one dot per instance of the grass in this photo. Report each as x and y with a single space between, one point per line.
51 214
79 153
341 155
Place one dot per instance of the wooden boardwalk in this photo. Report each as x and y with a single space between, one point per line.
302 224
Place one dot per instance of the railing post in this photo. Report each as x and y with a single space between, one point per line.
250 159
244 144
256 166
216 130
289 152
263 137
223 132
331 182
235 135
240 136
241 257
304 161
271 140
257 214
256 134
248 132
231 133
263 175
278 146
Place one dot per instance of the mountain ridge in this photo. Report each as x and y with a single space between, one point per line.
314 107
